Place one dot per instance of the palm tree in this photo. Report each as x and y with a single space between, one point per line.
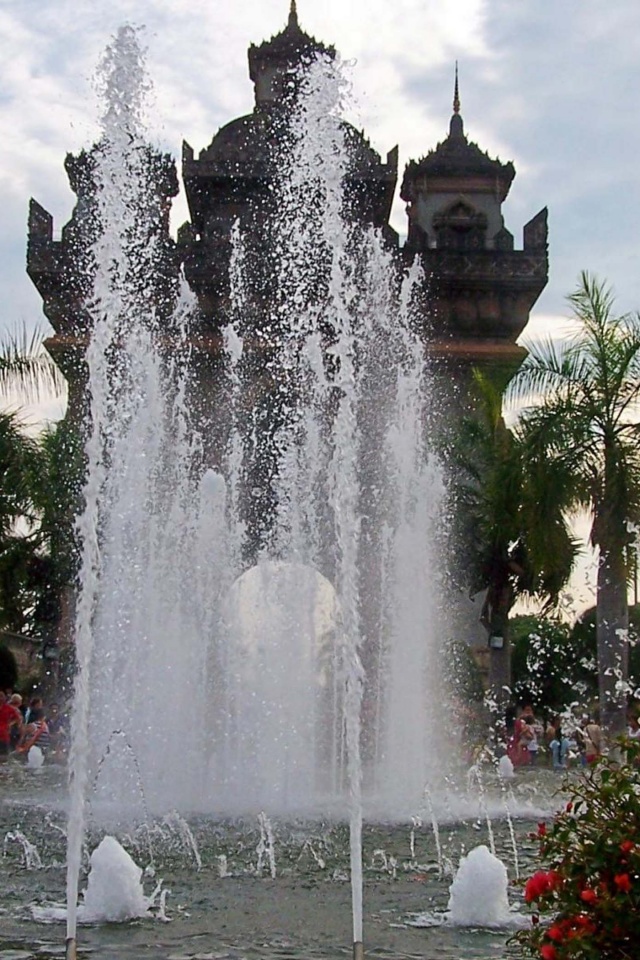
504 548
20 463
582 414
26 479
25 368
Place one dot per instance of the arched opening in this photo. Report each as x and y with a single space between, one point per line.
278 700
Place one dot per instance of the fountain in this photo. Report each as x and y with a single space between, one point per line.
479 891
257 635
302 641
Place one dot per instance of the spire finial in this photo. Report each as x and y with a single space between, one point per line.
293 15
456 95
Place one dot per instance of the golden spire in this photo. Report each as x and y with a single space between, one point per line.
293 15
456 95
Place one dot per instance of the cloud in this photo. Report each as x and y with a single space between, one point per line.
550 86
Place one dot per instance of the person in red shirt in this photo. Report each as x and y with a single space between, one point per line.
9 716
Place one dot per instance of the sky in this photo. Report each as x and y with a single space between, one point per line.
552 86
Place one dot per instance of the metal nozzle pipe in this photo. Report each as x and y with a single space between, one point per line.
358 950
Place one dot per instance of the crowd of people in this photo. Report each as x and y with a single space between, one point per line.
25 725
562 739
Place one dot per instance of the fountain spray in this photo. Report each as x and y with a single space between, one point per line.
321 470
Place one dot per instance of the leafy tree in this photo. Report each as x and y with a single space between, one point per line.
20 464
25 367
582 422
510 534
36 477
546 666
56 492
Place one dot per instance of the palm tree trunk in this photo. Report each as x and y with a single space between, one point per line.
612 627
499 651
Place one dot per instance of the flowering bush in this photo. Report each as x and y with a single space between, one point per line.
587 903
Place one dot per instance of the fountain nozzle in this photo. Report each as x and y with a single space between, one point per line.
358 950
70 953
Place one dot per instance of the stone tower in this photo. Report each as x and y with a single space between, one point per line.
480 289
232 179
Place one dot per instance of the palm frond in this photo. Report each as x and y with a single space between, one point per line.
26 368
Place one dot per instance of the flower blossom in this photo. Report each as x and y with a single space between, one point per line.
589 895
548 952
622 882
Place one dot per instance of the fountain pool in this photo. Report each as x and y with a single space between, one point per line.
224 904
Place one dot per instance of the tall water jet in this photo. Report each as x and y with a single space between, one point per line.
124 259
266 572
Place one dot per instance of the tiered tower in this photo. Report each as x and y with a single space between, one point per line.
480 290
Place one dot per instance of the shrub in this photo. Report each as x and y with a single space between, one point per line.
587 900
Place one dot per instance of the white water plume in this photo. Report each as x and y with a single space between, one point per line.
253 606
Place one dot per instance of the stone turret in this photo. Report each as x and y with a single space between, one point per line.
481 289
62 270
274 65
232 179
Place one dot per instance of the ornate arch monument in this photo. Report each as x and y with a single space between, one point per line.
479 290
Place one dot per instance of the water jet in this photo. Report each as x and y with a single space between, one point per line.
299 501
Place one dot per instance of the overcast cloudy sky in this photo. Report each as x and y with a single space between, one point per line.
552 86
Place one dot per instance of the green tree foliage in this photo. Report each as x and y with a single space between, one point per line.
39 495
547 668
510 534
582 427
20 469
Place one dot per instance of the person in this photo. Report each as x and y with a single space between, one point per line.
36 733
15 700
34 704
531 734
633 728
559 746
592 734
523 733
10 717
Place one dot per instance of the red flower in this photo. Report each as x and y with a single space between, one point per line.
627 846
548 952
542 829
622 882
589 896
554 879
569 807
536 886
541 883
556 932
